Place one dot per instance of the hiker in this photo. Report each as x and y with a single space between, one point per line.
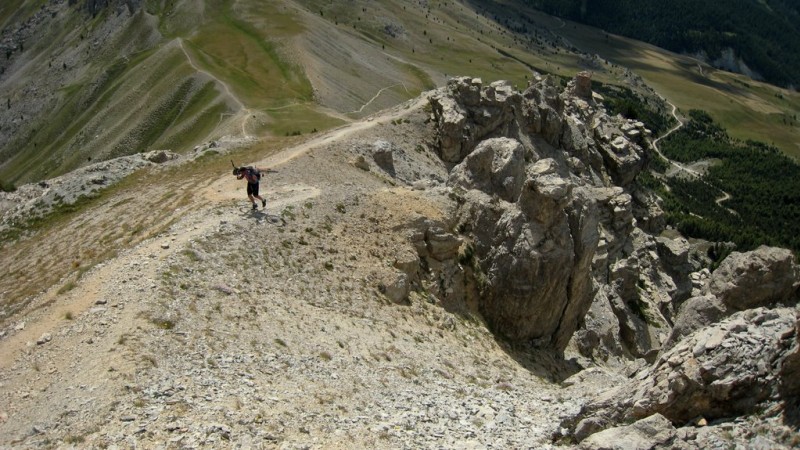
253 176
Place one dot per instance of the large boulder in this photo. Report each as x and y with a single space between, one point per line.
467 113
651 432
694 314
762 277
731 368
496 166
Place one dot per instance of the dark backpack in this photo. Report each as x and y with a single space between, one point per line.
254 172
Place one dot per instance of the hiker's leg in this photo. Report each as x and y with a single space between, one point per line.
252 190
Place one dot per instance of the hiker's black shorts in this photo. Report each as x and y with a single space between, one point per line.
252 189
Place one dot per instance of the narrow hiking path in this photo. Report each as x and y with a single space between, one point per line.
681 167
242 110
375 97
220 201
225 87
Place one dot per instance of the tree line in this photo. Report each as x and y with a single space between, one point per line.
765 33
764 185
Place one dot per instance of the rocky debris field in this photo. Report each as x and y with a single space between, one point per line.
474 269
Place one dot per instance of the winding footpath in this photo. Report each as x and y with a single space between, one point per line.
697 175
242 109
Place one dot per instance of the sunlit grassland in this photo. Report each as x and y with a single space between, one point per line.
243 55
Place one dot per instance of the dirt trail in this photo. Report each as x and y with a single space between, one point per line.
243 112
223 192
681 167
375 97
343 131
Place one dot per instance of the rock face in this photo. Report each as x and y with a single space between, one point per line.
561 248
766 276
727 369
534 183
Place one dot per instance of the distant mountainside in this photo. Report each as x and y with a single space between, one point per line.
89 80
84 81
760 38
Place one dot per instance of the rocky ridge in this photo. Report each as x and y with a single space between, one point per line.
483 273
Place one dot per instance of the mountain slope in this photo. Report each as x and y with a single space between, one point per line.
403 288
68 103
97 79
758 38
190 336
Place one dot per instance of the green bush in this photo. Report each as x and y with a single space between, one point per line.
7 187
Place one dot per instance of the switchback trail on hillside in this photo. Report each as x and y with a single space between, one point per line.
242 110
681 167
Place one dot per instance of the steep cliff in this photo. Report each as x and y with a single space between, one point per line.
545 184
571 254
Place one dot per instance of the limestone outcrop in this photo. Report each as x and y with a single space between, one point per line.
733 367
651 432
36 199
766 276
758 278
539 176
565 250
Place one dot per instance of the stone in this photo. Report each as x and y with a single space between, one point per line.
694 314
583 85
790 369
225 289
588 427
383 155
396 288
159 156
714 372
675 252
361 163
761 277
442 245
466 113
44 338
654 431
493 167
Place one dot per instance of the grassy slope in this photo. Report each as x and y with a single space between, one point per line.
113 106
16 11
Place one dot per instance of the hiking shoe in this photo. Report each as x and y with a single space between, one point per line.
263 203
255 207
